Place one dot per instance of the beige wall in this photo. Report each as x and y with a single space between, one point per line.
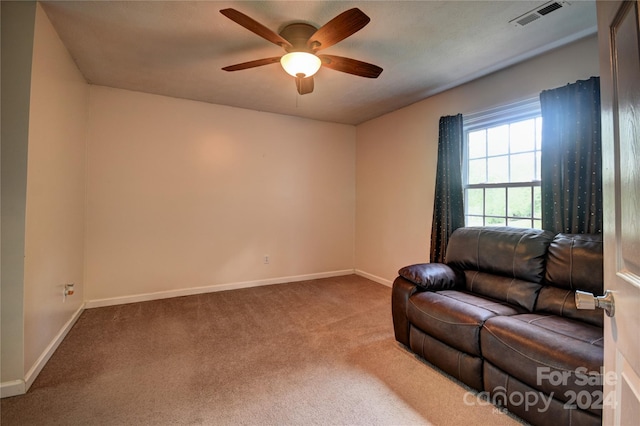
397 154
54 234
183 194
17 46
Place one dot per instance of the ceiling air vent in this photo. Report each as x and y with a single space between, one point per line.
537 13
549 8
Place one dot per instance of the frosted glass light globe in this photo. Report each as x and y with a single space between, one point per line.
300 64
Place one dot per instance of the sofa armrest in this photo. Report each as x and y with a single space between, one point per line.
431 276
401 292
414 279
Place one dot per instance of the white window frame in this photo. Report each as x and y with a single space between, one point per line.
523 110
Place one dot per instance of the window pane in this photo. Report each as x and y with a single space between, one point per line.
522 136
477 171
496 221
474 221
499 161
475 200
520 223
478 144
523 167
520 202
495 202
498 140
498 169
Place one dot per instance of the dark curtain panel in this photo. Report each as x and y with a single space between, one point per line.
448 205
571 164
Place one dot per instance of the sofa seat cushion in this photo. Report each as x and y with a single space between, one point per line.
553 354
455 317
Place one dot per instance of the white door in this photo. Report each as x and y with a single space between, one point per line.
618 36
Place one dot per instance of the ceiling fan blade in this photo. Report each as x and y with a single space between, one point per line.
255 27
350 66
337 29
304 85
252 64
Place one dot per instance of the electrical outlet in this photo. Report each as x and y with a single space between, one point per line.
266 259
68 291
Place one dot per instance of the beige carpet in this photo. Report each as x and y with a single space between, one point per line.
315 352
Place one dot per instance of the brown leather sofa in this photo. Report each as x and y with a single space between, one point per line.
500 316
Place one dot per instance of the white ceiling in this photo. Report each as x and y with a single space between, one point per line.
177 48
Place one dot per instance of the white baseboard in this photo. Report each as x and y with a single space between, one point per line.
20 387
12 388
374 278
51 348
98 303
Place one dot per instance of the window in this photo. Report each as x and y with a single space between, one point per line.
501 171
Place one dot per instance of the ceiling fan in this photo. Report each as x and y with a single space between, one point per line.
302 41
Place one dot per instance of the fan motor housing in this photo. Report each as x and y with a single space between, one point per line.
298 34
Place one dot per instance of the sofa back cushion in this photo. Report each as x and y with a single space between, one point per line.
513 252
511 290
503 263
574 262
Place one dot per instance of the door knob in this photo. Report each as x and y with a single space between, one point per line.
586 300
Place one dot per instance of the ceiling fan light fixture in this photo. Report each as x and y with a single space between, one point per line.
300 64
